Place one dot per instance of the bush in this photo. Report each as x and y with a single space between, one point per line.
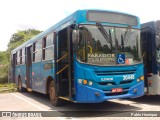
4 73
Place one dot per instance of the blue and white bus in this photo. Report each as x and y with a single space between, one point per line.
90 56
150 36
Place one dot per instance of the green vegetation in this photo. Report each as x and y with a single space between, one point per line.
4 88
15 40
4 66
21 37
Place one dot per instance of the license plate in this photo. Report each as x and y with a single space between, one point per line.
116 90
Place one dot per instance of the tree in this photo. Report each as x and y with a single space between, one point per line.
20 37
16 39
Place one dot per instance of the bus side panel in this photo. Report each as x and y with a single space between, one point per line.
47 71
23 75
40 73
37 76
16 74
21 72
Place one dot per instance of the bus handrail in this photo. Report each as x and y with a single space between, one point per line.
62 69
62 57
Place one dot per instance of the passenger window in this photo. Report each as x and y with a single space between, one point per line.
48 47
37 51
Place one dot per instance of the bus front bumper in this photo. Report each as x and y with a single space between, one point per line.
86 94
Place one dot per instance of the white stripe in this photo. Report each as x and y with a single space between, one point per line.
28 102
60 118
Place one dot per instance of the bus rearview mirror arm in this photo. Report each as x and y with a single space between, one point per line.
75 37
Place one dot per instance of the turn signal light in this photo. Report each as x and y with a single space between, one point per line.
85 82
142 78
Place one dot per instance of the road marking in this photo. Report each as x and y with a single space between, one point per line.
60 118
28 102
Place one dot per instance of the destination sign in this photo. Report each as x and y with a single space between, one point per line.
101 57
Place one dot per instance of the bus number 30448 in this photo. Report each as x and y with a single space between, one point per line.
128 77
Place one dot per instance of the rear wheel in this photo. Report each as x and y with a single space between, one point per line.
20 88
52 94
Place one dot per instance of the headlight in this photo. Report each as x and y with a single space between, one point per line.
85 82
138 80
90 83
80 81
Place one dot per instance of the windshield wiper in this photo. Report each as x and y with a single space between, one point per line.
104 32
127 34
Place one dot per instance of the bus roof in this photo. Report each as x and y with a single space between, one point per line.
147 24
76 17
151 26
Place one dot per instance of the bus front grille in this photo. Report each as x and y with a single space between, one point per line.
106 83
122 72
126 82
114 83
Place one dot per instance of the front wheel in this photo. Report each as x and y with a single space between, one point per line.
52 94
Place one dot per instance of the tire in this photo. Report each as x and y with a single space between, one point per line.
52 95
20 88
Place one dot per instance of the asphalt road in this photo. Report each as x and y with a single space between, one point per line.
40 104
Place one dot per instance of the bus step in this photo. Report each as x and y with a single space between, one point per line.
64 98
29 89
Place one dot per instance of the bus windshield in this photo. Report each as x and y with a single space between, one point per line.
158 46
94 48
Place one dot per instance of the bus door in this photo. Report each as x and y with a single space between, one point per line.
13 70
29 67
147 54
64 64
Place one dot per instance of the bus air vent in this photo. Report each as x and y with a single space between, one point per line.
122 72
126 82
106 83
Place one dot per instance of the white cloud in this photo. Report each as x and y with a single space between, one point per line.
41 14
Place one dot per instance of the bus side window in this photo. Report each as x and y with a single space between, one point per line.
43 47
34 52
48 47
38 50
21 56
17 57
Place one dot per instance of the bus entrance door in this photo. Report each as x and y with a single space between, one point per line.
63 64
29 68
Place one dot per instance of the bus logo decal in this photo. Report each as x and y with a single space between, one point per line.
106 79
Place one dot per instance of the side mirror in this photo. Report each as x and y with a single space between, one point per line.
75 36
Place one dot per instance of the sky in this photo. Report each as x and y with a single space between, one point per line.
41 14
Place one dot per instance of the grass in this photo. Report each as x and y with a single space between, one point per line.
10 87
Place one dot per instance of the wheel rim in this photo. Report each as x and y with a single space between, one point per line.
19 85
52 93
